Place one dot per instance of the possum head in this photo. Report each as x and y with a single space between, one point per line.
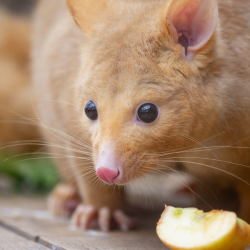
145 88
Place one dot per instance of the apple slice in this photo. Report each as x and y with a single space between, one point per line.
190 228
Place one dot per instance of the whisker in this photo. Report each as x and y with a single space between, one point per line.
211 159
190 189
205 165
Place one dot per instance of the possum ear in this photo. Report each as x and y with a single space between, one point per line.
87 13
192 23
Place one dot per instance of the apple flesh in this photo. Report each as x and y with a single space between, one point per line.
190 228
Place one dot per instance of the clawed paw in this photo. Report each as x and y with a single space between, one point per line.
63 200
87 216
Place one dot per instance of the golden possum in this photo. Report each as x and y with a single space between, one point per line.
130 86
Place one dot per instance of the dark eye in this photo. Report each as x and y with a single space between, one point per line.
91 111
147 113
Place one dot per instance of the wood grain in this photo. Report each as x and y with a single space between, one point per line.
22 228
55 234
11 241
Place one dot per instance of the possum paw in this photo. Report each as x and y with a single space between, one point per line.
87 216
63 200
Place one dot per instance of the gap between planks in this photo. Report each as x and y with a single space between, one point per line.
37 239
10 240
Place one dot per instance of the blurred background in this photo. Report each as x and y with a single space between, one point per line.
18 6
23 169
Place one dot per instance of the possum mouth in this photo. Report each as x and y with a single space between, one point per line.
120 169
124 174
135 167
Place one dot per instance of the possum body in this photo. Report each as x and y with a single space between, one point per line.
188 59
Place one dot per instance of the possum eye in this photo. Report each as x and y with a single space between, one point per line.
147 113
91 111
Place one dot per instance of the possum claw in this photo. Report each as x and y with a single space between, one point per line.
87 216
104 219
84 216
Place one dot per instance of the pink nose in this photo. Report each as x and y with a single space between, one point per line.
107 175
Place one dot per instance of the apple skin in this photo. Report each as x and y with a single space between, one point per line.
236 239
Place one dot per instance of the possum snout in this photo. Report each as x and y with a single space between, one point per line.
109 166
115 167
121 166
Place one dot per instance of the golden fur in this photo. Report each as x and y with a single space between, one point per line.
15 88
123 55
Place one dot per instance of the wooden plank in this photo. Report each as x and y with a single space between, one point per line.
11 241
28 202
111 241
59 234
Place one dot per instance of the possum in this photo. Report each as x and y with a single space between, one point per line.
124 88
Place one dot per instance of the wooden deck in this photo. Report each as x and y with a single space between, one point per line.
26 224
23 228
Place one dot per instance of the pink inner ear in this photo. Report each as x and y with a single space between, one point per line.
193 22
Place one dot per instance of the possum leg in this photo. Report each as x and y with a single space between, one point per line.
103 205
63 200
65 197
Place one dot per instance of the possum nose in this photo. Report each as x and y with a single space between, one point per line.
108 167
107 175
